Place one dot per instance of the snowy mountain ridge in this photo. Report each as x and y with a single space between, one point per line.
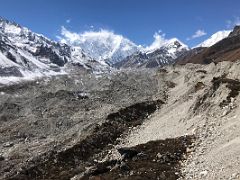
25 54
112 48
157 55
216 37
172 46
102 45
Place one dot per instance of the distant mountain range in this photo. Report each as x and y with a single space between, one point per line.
120 52
171 52
25 54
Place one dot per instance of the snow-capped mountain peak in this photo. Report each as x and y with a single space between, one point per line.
10 27
171 46
161 52
175 42
216 37
106 46
24 54
101 45
174 45
161 41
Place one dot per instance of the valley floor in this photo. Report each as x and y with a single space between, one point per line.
179 122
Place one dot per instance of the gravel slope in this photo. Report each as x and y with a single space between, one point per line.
203 103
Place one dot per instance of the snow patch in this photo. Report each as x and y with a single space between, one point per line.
159 41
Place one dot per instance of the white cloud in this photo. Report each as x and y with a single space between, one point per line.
102 38
197 34
68 21
159 40
234 22
102 35
102 44
68 36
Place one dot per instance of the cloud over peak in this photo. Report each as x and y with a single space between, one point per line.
100 45
159 40
105 44
197 34
70 37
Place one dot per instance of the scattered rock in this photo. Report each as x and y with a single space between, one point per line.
124 167
8 144
171 84
201 71
127 153
159 155
203 173
2 158
169 151
199 86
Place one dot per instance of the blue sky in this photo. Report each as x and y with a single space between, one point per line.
137 20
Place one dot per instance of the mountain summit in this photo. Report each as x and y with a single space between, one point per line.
163 54
25 54
102 45
216 37
235 32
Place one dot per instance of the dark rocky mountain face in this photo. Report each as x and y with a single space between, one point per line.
133 60
235 32
189 54
48 53
227 49
10 71
163 56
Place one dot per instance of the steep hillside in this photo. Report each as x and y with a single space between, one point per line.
227 49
